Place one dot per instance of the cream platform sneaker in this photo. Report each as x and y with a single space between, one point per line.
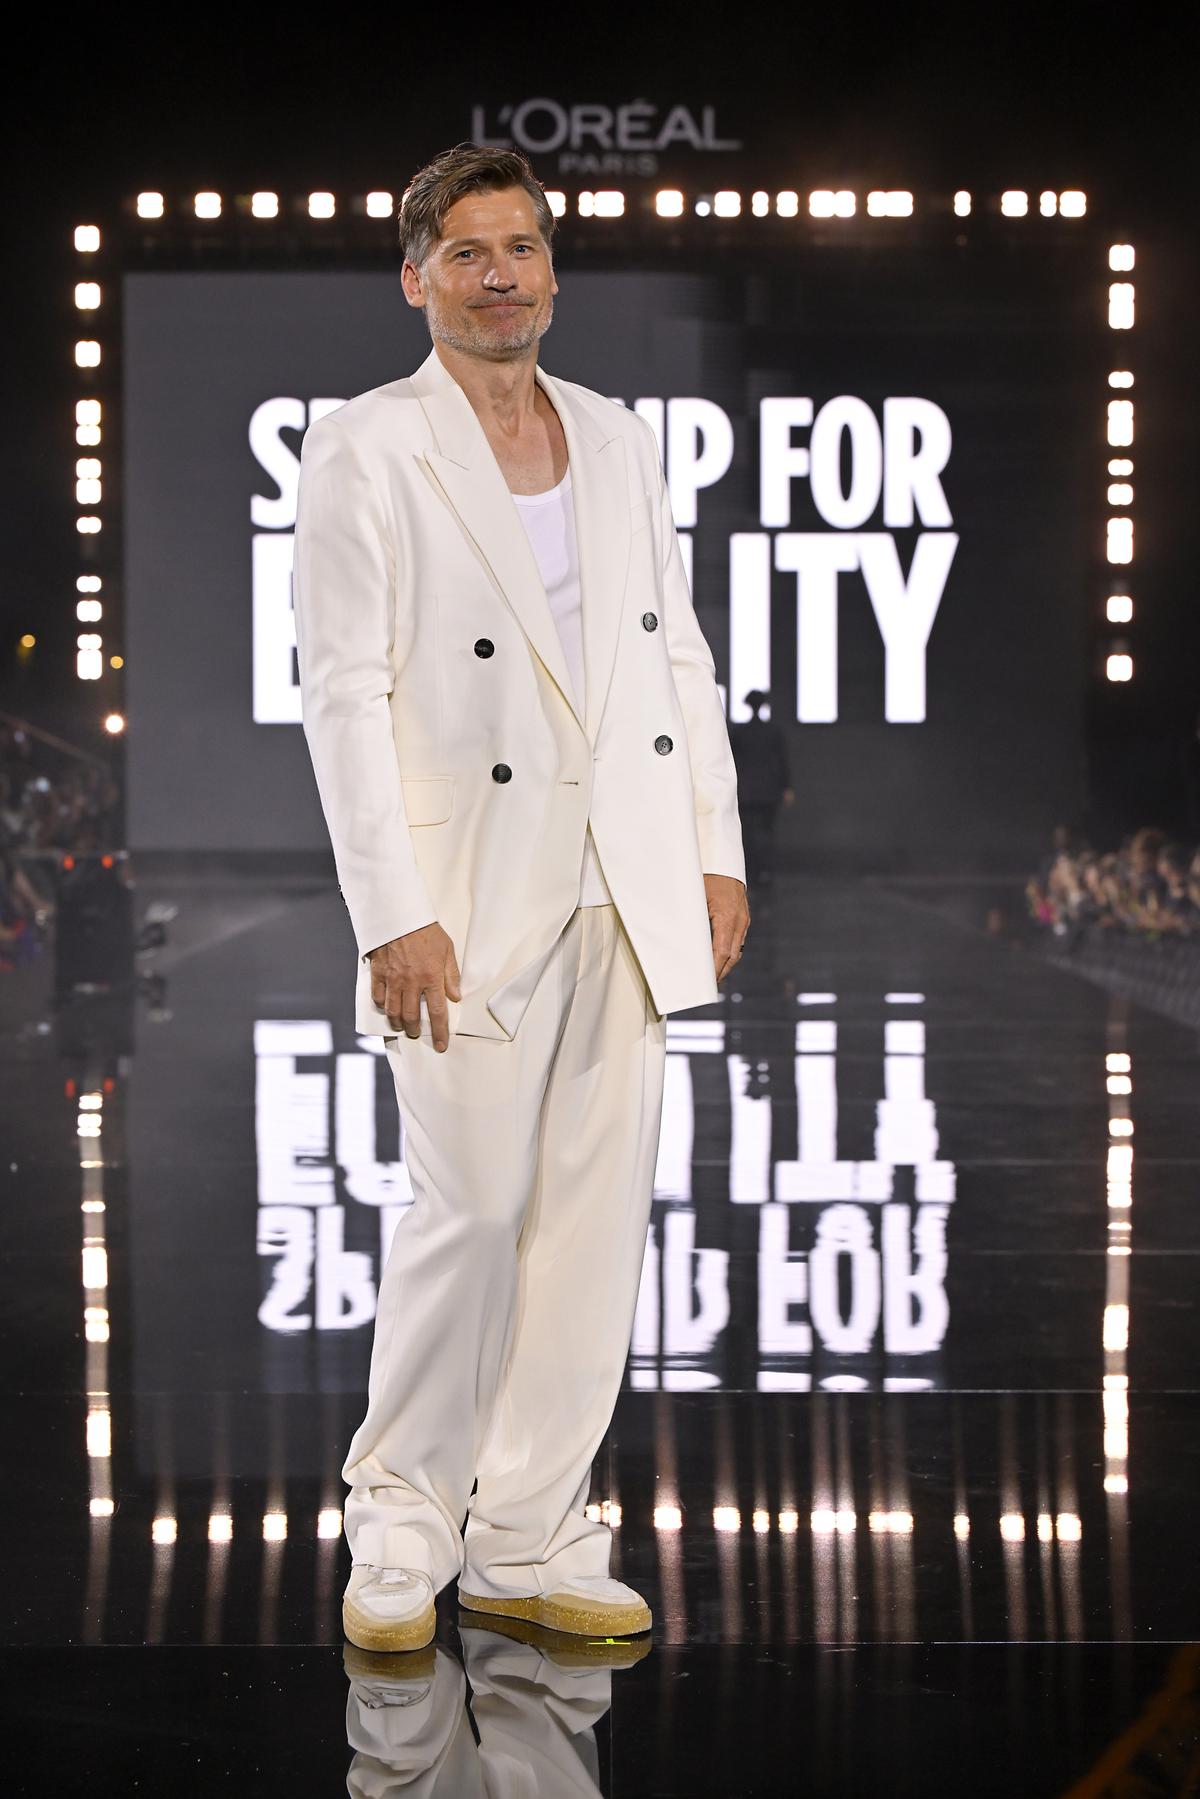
388 1609
592 1605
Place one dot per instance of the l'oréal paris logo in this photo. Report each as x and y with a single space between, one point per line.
594 140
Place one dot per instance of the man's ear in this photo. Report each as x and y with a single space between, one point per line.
410 281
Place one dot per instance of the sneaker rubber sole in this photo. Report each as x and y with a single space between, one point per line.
388 1639
562 1614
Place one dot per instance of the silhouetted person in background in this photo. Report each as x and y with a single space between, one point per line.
761 755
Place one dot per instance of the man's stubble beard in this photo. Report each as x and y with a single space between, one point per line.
468 343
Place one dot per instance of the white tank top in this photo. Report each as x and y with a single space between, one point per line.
549 521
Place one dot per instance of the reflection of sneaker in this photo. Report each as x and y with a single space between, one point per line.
388 1609
591 1605
564 1649
378 1668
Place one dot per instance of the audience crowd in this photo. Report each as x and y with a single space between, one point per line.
50 805
1149 888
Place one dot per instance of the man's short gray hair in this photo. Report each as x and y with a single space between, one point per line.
466 169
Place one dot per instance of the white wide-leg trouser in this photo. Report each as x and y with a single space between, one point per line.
506 1305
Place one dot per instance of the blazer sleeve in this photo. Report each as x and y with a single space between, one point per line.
344 596
714 773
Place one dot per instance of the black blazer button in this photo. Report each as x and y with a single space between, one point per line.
663 745
649 620
502 772
484 646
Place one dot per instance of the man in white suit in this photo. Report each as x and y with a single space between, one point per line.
525 770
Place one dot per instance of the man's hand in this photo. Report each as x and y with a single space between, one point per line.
729 920
421 962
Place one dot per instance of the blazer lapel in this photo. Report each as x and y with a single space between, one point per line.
469 476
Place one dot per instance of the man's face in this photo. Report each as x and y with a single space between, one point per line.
488 284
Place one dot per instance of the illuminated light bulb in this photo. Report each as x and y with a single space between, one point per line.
101 1508
1119 1083
93 1205
556 200
789 1521
164 1530
760 1522
89 665
1119 1249
845 1522
1120 1127
668 1517
1118 1061
585 204
1120 378
87 524
1120 257
1120 540
87 493
116 662
114 724
787 204
1120 306
1116 1483
703 208
962 1526
592 1511
87 353
1119 667
820 203
611 1512
1069 1527
1116 1328
1120 465
86 435
321 206
207 205
87 467
726 1517
608 203
274 1527
962 203
99 1433
264 206
668 203
1072 203
329 1522
379 204
1047 206
150 206
823 1521
87 238
1012 1527
95 1267
220 1527
1120 423
1045 1527
895 203
87 295
87 584
96 1330
1120 493
760 204
1014 204
727 204
87 412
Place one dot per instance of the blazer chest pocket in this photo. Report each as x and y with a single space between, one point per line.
428 799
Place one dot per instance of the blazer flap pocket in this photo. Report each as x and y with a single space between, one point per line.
428 799
639 512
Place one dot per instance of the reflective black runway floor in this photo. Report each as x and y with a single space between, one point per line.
907 1460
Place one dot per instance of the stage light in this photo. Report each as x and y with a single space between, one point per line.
220 1527
87 353
1120 493
609 203
101 1508
87 436
1120 540
1045 1528
586 203
896 204
329 1523
1116 1483
726 1517
321 206
114 724
1047 206
274 1527
150 206
1120 465
1120 1127
1014 204
89 665
789 1521
95 1324
207 205
760 1522
87 295
1120 256
787 204
1119 609
727 204
556 200
1120 423
87 491
1120 306
962 1526
164 1531
962 203
87 584
668 1517
116 662
668 203
1119 668
703 208
1072 203
760 204
1120 378
1012 1527
823 203
88 612
87 238
87 412
823 1522
264 206
99 1433
87 524
379 204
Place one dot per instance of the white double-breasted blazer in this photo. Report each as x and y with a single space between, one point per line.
456 771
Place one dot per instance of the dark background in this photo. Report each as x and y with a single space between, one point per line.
928 98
